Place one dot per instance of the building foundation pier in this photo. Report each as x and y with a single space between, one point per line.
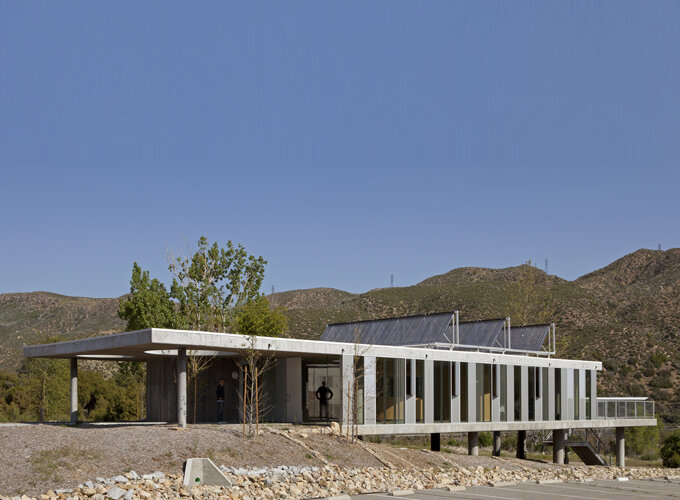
558 446
473 444
74 391
496 451
620 447
521 445
181 387
435 441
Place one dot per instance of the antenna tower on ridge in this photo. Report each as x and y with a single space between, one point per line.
391 280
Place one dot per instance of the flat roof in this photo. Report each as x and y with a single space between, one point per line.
152 343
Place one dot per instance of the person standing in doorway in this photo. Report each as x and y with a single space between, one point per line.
323 394
220 400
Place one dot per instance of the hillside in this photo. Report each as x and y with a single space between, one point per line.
25 318
626 315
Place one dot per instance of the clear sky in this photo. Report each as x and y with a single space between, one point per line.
342 141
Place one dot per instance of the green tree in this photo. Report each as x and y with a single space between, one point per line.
643 442
213 282
258 318
149 304
670 451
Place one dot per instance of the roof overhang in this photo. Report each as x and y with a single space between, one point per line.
154 342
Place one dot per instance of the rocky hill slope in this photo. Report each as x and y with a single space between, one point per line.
626 315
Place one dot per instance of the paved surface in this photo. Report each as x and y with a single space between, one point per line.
597 490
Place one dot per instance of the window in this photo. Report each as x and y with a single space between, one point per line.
558 394
545 393
532 393
464 392
504 393
589 412
518 393
577 394
390 390
442 391
420 391
409 388
483 386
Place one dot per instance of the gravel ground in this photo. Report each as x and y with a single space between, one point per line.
36 458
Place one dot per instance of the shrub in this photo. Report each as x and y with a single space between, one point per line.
670 451
657 360
643 442
485 439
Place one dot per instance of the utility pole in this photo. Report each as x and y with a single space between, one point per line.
546 266
391 280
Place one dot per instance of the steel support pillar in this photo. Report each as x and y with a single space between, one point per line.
182 387
74 391
620 447
435 441
558 446
473 444
521 445
496 452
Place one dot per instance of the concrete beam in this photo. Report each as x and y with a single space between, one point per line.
136 344
452 427
182 387
620 447
473 444
74 391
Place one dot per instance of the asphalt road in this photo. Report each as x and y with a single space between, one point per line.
596 490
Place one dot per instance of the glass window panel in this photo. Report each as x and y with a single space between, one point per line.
518 394
464 392
420 390
504 393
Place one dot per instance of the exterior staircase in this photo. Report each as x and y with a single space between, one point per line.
585 443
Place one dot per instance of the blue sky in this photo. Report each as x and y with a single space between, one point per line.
342 141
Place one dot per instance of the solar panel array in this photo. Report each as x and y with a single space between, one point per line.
434 329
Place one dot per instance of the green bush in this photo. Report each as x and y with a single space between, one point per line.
670 451
643 442
485 439
657 360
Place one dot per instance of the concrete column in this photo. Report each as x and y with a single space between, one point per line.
435 441
74 391
620 447
429 391
182 387
558 446
369 390
496 452
347 390
521 445
473 444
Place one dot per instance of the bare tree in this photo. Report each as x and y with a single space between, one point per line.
254 401
353 383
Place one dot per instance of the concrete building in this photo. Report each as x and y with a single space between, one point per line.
415 375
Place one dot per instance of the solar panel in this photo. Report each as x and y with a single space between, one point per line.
434 329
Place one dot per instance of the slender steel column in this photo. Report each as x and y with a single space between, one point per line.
74 391
182 387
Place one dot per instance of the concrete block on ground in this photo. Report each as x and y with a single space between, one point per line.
456 488
400 493
501 484
199 471
549 481
338 497
622 479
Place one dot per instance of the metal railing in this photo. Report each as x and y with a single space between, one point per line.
625 408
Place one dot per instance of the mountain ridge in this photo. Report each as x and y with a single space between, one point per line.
626 314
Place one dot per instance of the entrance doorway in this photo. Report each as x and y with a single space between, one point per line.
319 372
